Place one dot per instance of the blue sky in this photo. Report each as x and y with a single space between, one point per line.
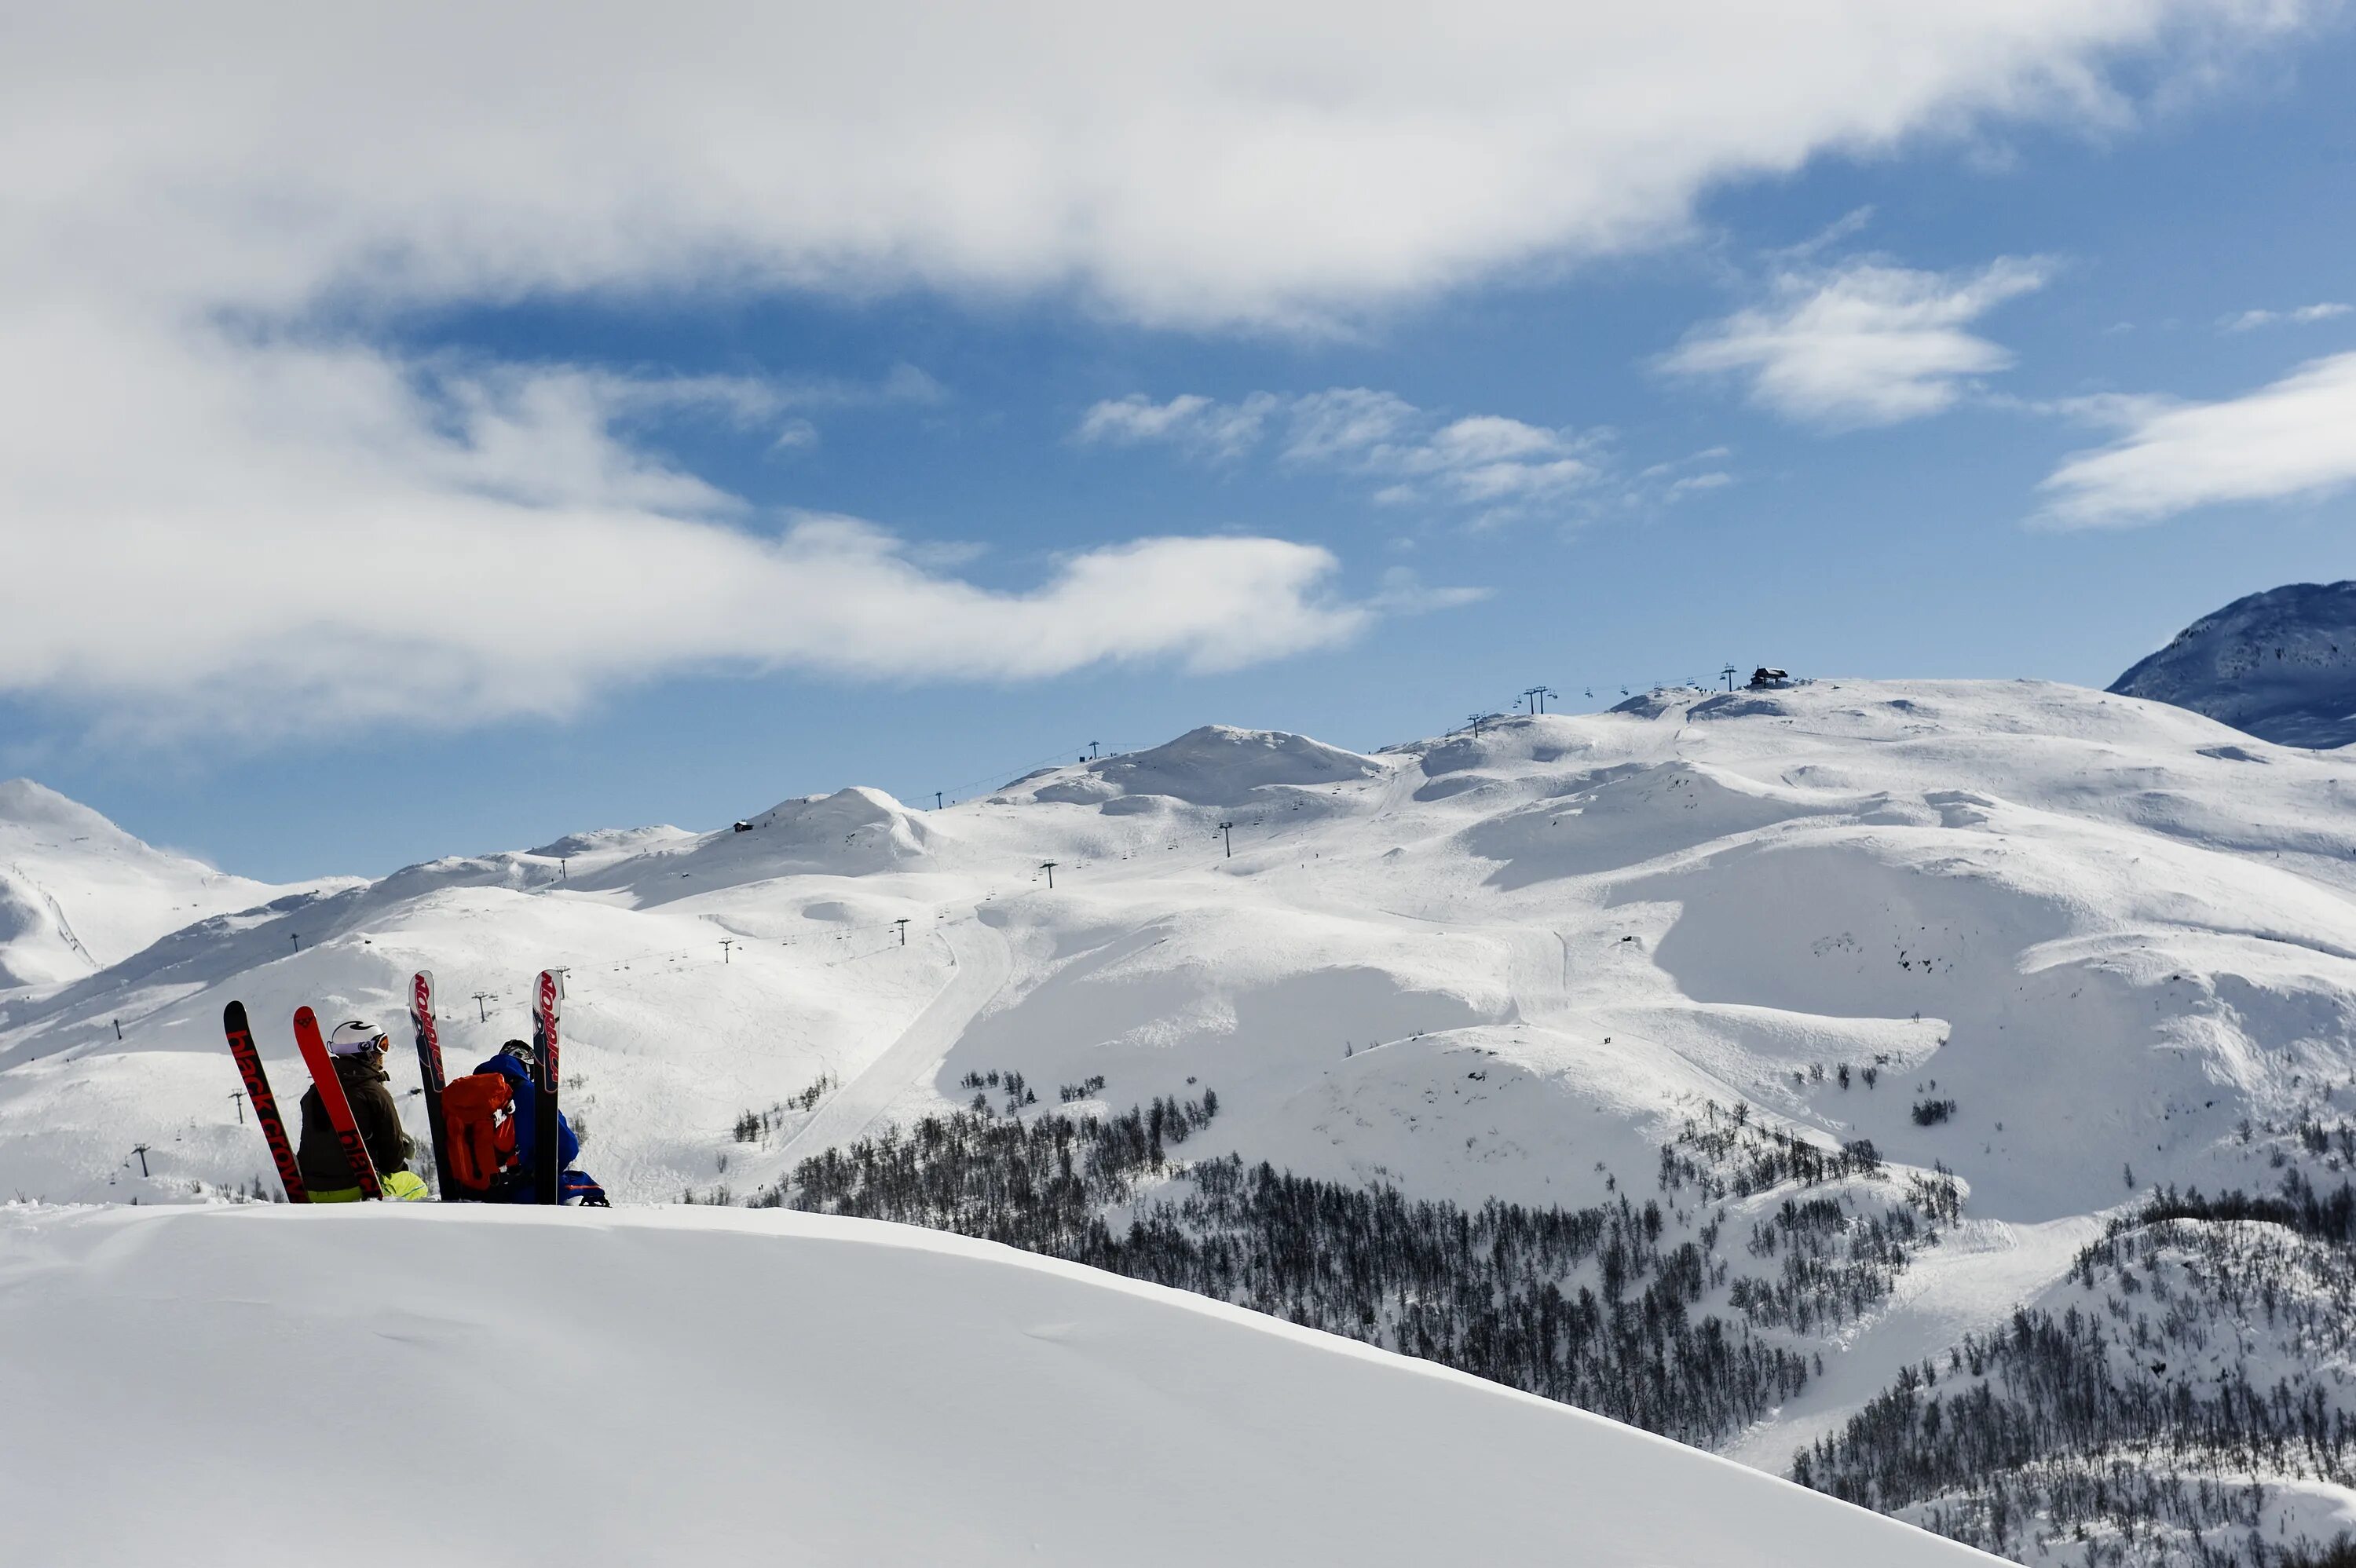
435 496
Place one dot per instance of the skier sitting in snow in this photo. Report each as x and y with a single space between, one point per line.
359 1051
488 1117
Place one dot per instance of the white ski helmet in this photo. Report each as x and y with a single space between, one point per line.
355 1036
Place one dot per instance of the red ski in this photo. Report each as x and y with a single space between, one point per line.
429 1068
331 1096
265 1103
547 1126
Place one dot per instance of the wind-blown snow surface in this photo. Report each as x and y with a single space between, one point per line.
2116 936
713 1386
2280 665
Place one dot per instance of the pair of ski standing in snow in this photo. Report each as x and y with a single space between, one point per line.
484 1126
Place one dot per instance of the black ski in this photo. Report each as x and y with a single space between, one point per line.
429 1069
547 1125
265 1103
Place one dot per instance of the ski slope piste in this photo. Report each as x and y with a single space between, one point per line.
411 1383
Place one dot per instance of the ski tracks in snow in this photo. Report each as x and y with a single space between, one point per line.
983 964
1968 1284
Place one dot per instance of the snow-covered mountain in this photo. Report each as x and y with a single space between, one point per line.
716 1386
1831 1023
2280 665
77 893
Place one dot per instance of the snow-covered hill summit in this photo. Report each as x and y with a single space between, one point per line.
78 893
1214 765
2280 665
716 1387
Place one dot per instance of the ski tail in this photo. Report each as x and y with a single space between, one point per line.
547 1126
429 1069
265 1103
338 1108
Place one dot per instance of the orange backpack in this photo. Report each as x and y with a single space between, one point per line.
478 1121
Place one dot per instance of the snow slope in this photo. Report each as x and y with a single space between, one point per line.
77 893
2114 939
2280 665
241 1385
2108 930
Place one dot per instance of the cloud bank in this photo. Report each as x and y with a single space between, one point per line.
1227 162
352 543
226 495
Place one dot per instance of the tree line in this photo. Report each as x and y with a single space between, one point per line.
1612 1308
2146 1426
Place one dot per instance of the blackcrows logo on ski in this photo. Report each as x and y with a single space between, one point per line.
548 1129
265 1103
429 1069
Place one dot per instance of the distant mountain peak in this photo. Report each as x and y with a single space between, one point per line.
77 893
26 804
2279 665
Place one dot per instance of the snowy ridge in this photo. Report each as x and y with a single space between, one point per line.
742 1387
2280 665
1214 765
77 893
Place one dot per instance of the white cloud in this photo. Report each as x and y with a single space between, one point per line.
1405 593
210 218
1222 162
1864 345
1343 424
1488 462
1846 226
2286 440
1481 460
1486 458
355 541
2301 316
1662 484
1217 430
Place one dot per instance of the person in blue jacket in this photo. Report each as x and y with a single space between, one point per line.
514 1062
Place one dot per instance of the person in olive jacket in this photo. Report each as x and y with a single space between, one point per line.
359 1051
